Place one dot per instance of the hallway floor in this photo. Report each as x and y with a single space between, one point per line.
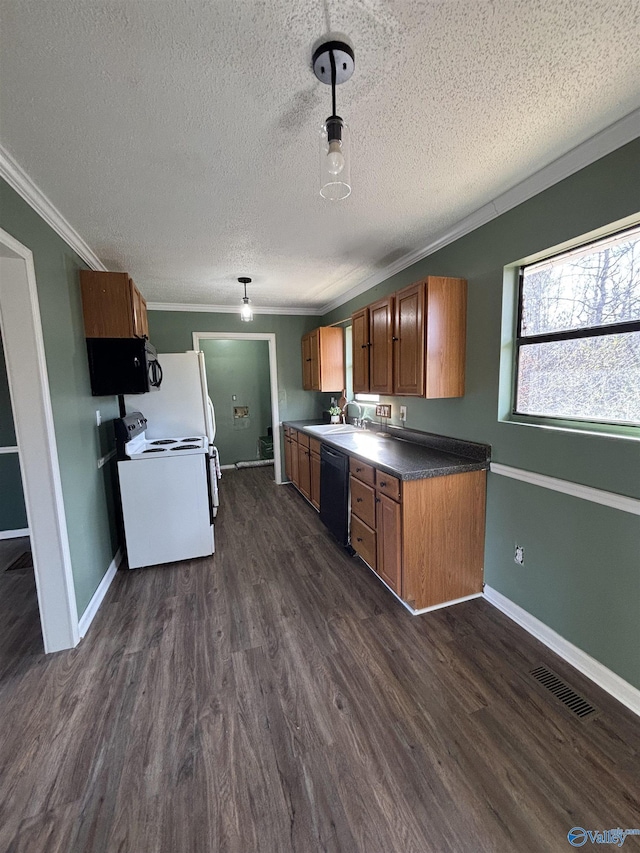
277 698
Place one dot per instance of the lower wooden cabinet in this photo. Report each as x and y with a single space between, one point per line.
314 459
425 538
302 463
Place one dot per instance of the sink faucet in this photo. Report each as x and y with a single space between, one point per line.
357 421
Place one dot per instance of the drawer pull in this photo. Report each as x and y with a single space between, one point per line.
378 500
358 500
383 484
358 470
358 538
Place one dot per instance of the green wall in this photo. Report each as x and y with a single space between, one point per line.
240 370
171 331
87 491
13 514
581 573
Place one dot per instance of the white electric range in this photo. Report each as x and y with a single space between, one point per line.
165 492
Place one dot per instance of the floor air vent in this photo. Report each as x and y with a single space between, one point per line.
574 702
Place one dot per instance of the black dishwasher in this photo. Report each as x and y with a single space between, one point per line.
334 492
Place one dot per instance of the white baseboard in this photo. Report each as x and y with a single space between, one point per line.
584 663
14 534
98 596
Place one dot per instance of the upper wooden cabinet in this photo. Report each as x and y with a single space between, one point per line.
323 359
413 343
112 306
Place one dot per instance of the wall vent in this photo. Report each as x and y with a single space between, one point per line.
561 690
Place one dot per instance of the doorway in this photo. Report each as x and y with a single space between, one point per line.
21 333
270 338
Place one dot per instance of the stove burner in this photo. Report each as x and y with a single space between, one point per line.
186 447
166 441
155 450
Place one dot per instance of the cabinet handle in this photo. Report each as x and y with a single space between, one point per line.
364 346
378 500
358 500
394 338
358 538
383 483
358 469
307 359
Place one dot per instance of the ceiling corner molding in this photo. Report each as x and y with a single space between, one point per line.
231 309
605 142
18 180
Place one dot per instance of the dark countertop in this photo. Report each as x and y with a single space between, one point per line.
407 454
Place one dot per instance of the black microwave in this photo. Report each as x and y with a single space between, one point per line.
122 366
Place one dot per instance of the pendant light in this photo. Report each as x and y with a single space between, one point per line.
333 63
246 314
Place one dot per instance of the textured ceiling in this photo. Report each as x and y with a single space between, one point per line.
179 138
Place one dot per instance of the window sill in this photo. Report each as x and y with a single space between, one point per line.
628 433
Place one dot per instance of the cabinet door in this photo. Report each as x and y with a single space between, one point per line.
294 460
314 352
409 345
315 479
381 339
139 312
287 457
304 471
446 332
389 541
360 343
106 304
306 363
331 373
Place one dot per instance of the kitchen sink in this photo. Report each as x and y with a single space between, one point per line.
331 429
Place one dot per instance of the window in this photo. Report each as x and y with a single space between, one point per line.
578 334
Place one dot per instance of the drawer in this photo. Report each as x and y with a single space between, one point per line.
364 472
303 439
388 485
314 445
363 501
363 540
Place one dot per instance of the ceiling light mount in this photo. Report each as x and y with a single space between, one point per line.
334 63
246 314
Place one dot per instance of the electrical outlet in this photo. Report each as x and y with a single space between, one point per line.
518 556
383 411
403 413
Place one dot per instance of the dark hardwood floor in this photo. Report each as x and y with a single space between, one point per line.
277 698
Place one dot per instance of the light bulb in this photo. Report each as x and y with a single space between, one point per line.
246 313
335 157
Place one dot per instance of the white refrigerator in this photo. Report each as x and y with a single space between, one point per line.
182 407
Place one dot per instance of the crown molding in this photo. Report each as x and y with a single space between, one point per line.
605 142
231 309
18 180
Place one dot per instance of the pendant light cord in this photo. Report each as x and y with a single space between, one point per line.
332 60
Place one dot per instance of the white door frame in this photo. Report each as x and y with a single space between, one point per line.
33 416
273 376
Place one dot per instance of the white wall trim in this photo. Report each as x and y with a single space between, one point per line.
584 663
587 493
18 180
615 136
14 534
9 449
98 596
273 376
232 309
21 330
